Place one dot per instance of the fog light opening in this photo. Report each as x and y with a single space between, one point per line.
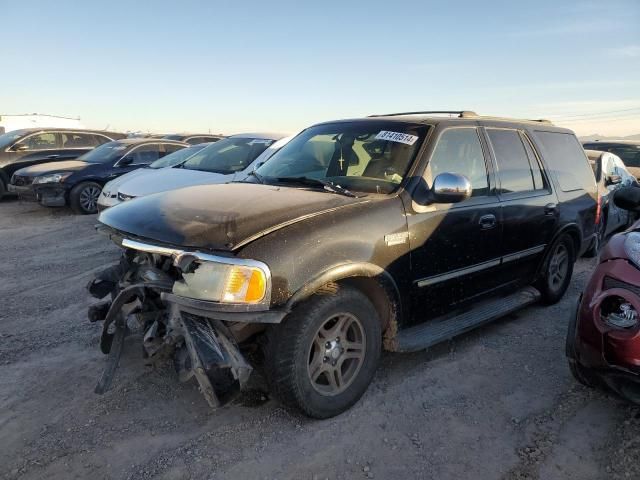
619 313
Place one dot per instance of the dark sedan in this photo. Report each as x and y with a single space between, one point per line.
30 146
78 183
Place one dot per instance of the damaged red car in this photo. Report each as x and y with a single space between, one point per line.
603 339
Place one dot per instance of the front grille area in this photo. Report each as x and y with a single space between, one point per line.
610 282
20 181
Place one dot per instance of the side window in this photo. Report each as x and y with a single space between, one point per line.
146 154
539 180
514 168
170 148
41 141
78 140
459 151
566 158
629 155
100 139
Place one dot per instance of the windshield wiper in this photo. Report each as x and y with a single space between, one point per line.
313 182
253 173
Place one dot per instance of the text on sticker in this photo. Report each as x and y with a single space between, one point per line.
397 137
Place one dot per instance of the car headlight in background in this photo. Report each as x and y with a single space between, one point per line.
632 247
227 283
52 178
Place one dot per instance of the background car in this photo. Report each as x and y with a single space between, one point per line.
627 150
603 338
194 138
230 159
611 174
78 183
30 146
109 196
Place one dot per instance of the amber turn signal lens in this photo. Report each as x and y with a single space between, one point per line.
245 285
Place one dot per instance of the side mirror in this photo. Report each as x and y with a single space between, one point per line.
124 161
19 147
612 180
450 188
627 198
258 165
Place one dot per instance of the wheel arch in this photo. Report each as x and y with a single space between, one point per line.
375 282
570 229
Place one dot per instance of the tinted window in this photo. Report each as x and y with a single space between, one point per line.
459 151
40 141
514 169
105 153
539 181
566 158
78 140
99 139
145 154
170 148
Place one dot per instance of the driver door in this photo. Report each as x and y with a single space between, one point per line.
455 248
41 147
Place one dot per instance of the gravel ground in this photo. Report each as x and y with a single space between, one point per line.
498 403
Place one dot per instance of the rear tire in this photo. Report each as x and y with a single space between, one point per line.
322 358
557 270
84 198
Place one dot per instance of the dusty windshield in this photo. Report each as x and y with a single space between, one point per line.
371 156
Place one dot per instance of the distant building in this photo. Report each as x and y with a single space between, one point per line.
35 120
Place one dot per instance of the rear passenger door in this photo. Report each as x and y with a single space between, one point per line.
528 204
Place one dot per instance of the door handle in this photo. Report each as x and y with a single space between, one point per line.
51 157
550 209
487 221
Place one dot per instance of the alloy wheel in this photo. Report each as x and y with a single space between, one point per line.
558 267
89 198
336 354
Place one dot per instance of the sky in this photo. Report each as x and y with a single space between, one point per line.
229 66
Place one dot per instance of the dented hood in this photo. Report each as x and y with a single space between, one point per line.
219 217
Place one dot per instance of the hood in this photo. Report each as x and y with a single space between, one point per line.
114 184
53 167
169 179
219 217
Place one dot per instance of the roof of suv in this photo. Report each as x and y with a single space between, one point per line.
461 117
24 131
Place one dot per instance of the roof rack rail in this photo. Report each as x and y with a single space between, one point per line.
459 113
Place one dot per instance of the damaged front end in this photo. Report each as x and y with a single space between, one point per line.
192 309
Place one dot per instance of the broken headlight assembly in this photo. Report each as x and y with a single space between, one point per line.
223 282
616 312
52 178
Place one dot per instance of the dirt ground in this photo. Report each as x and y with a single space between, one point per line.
498 403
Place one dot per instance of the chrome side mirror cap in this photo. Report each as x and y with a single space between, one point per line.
450 188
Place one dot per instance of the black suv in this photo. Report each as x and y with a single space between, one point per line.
394 231
30 146
78 183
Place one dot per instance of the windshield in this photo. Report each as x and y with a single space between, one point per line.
371 156
229 155
7 139
177 157
105 153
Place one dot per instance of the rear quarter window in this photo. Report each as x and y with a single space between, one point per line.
565 157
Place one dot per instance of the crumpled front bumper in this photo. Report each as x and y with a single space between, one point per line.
51 195
600 346
189 332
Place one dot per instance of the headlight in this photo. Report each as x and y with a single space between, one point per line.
221 282
632 247
52 178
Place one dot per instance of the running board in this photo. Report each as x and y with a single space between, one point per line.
446 327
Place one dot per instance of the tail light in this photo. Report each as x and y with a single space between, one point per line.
598 210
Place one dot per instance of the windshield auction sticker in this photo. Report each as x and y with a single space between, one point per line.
397 137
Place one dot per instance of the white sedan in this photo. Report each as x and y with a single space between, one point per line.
224 161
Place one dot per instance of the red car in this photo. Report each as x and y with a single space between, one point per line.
603 340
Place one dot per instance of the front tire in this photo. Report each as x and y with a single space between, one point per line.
84 198
322 358
557 270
